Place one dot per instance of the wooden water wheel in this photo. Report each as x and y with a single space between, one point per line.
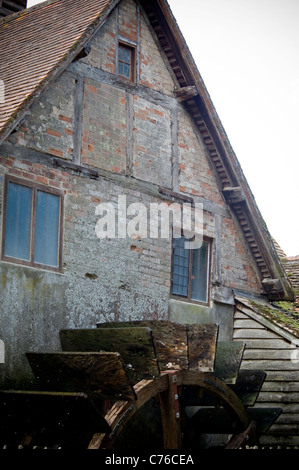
89 394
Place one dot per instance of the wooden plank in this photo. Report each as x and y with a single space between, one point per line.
99 373
268 365
268 344
281 375
170 341
228 360
59 417
243 333
281 386
246 437
170 415
288 418
248 385
240 316
171 345
202 341
273 354
279 397
286 407
135 345
284 441
263 417
285 429
248 324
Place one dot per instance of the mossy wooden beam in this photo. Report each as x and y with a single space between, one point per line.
202 343
101 374
135 346
170 341
228 360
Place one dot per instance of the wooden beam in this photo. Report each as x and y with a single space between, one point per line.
99 373
122 411
233 195
170 341
228 360
272 285
170 414
248 385
185 93
202 341
245 437
134 344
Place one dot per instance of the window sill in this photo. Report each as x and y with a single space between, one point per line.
43 269
189 301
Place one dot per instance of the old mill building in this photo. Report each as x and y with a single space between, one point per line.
103 108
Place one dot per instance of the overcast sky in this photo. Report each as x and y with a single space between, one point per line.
247 54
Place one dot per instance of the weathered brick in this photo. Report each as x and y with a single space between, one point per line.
104 128
54 133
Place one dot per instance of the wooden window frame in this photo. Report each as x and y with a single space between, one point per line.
132 49
188 298
35 187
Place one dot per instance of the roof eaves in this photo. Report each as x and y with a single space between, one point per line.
230 175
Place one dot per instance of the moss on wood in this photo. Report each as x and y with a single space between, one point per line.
280 313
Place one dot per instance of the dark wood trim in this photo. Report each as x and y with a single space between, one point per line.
82 170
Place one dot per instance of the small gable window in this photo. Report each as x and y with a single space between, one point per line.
126 61
32 225
191 271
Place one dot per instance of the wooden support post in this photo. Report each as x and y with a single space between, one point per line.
243 438
170 413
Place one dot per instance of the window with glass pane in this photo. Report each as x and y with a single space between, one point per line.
18 221
180 271
32 225
190 271
46 229
126 61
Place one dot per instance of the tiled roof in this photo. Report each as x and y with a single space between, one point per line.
291 266
36 41
278 249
